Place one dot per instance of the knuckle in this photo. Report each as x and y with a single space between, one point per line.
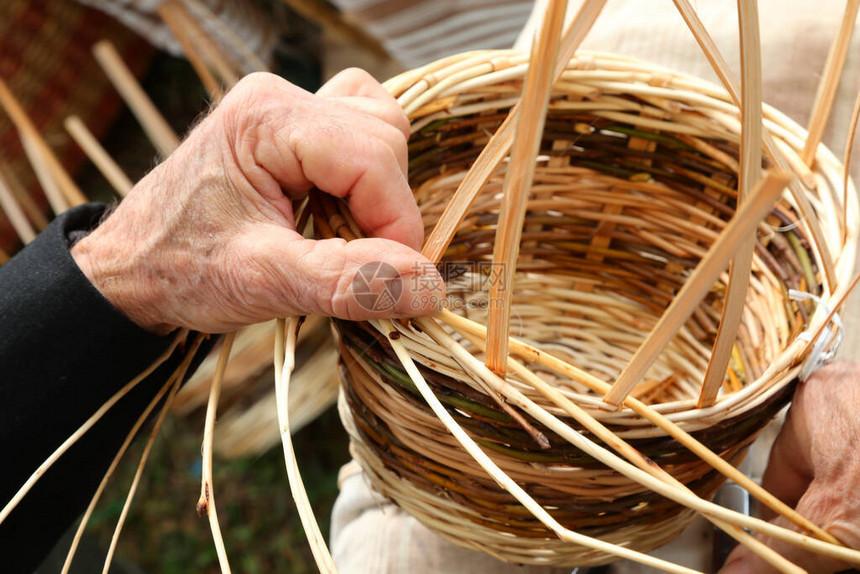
380 159
257 81
400 120
322 272
254 90
395 138
358 75
380 151
847 532
833 504
340 304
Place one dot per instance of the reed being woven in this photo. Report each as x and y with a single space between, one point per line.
636 178
586 406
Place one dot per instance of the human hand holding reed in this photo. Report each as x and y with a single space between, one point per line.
207 240
814 466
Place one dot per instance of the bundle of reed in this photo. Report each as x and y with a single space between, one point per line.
49 68
246 400
203 36
242 32
633 293
62 192
247 423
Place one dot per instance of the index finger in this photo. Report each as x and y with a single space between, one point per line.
356 83
297 140
349 163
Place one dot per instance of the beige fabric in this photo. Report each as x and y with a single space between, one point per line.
370 535
795 37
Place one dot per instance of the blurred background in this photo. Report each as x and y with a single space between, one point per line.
46 59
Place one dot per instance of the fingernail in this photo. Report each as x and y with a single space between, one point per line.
423 293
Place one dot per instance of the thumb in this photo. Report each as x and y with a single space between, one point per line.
823 507
356 280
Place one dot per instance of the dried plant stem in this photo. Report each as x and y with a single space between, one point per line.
750 173
56 199
499 145
210 51
200 10
810 220
473 365
153 123
829 83
455 211
743 223
286 334
499 476
575 33
114 463
535 434
634 456
168 13
16 215
37 150
846 166
178 376
709 48
33 211
73 438
136 480
98 155
518 180
530 353
206 503
331 19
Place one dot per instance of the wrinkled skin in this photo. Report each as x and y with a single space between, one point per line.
815 466
207 240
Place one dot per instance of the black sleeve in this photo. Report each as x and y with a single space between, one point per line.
64 350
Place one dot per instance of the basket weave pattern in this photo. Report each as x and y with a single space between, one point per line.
637 177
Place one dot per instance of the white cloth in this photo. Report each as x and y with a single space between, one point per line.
372 536
795 38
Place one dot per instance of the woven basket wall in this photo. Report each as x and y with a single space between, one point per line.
45 59
638 175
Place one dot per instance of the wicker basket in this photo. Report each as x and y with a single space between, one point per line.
637 177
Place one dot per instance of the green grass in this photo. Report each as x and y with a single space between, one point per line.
261 527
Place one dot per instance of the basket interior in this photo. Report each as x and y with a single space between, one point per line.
617 219
621 212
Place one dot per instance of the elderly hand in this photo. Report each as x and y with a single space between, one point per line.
815 466
207 240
